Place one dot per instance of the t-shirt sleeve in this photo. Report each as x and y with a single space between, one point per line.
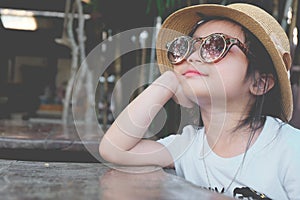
178 144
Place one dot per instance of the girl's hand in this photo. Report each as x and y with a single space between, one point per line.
173 82
179 96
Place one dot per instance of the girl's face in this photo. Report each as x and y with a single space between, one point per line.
221 83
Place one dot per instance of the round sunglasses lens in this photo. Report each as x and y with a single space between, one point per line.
178 49
212 48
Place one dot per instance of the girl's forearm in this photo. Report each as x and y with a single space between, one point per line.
133 122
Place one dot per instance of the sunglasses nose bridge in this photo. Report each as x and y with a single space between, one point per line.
194 47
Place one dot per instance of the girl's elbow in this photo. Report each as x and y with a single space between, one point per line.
104 151
107 153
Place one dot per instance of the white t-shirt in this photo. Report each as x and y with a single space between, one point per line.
271 167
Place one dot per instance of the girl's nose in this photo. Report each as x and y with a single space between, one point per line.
194 57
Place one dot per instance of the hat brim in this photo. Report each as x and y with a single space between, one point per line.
182 21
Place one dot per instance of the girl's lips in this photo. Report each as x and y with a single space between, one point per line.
191 73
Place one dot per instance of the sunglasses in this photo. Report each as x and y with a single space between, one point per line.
211 49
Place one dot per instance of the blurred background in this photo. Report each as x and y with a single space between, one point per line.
42 43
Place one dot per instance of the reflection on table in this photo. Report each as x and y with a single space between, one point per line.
40 141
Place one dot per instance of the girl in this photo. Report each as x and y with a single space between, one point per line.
232 62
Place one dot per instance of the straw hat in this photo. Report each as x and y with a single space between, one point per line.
256 20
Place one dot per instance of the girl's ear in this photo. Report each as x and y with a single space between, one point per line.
262 83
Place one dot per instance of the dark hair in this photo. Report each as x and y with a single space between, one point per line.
261 62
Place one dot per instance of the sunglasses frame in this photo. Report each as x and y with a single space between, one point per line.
228 43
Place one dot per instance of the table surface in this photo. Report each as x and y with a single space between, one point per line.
54 180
